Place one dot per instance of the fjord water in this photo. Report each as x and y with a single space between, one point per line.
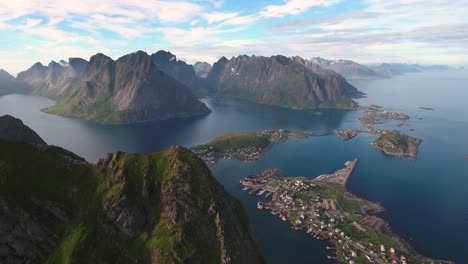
426 199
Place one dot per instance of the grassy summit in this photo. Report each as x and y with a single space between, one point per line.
163 207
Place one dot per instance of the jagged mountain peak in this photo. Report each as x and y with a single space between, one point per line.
99 57
162 55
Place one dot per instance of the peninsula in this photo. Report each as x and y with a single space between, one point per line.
326 210
245 146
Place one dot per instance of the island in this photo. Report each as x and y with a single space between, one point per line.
373 115
327 211
346 134
390 141
245 146
466 157
397 144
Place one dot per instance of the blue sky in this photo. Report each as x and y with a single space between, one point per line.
367 31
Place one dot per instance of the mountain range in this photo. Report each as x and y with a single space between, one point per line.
349 69
139 87
391 69
281 81
128 90
163 207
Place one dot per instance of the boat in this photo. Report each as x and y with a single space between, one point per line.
466 157
261 192
260 205
245 188
268 194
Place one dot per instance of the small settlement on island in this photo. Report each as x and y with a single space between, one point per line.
323 208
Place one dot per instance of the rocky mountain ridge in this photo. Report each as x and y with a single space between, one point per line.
128 90
281 81
163 207
178 69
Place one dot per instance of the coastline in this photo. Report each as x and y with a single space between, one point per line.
330 218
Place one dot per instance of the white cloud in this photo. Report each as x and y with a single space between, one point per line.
293 7
201 30
218 16
194 35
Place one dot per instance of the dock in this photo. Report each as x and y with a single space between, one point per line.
351 166
340 176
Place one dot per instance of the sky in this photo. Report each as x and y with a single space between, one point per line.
366 31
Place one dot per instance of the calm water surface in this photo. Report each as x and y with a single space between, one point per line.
426 199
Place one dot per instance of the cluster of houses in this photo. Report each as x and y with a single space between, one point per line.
211 157
300 203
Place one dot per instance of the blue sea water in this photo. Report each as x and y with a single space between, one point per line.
426 199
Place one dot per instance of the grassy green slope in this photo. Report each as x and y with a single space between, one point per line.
163 189
393 143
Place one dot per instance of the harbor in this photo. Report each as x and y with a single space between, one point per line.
324 209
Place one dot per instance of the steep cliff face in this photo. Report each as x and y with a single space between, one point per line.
13 129
348 69
57 80
179 70
33 76
177 201
157 208
131 89
281 81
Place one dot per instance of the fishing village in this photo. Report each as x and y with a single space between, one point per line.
324 209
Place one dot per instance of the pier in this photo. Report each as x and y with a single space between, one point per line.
340 176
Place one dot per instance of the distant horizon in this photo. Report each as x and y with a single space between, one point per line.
364 31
